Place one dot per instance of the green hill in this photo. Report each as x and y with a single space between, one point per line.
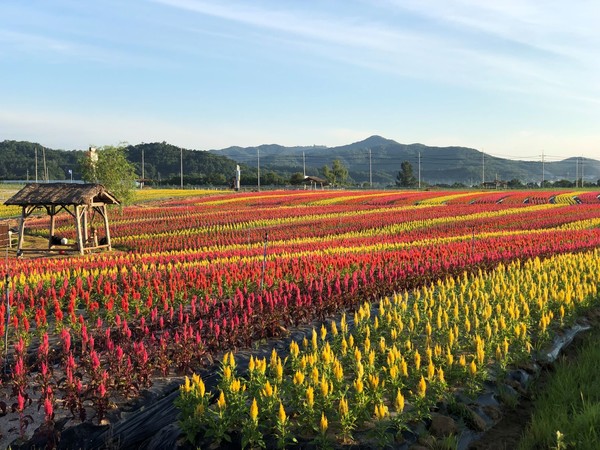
376 156
446 165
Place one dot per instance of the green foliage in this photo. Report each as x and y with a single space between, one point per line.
406 177
296 178
337 175
574 386
112 170
162 165
18 162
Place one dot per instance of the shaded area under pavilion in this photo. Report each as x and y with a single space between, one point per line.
82 201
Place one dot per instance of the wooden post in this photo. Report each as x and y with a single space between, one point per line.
78 229
21 230
52 212
106 228
85 225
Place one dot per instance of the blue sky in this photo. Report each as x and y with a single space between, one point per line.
513 78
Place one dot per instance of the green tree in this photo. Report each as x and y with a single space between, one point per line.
297 178
337 174
405 177
515 183
112 170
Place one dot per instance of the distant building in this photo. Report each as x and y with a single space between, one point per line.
314 181
496 184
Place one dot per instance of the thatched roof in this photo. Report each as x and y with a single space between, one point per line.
313 179
61 194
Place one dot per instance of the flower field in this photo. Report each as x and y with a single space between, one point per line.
197 276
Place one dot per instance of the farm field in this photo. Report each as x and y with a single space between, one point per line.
439 289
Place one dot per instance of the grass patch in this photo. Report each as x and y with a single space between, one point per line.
567 412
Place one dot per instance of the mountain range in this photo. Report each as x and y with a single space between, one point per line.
379 159
375 159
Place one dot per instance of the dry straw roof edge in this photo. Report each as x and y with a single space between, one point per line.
43 194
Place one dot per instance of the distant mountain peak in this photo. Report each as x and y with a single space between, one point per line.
375 140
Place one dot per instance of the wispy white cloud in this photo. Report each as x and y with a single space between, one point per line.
514 45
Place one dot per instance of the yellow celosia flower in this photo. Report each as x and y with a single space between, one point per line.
372 358
261 365
338 371
231 360
399 402
417 358
324 386
360 370
323 332
422 387
394 373
357 354
221 401
358 386
187 387
279 371
472 368
403 368
323 423
430 370
236 385
374 381
254 411
294 349
267 390
381 411
281 416
343 407
298 378
441 376
310 396
449 357
315 375
226 372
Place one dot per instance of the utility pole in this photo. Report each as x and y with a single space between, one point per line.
45 167
582 182
482 168
419 170
303 165
543 169
143 175
258 166
370 171
181 165
36 166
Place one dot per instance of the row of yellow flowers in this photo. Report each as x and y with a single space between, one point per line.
567 198
440 200
142 195
388 365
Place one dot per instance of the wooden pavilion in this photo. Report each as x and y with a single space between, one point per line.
81 201
314 181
